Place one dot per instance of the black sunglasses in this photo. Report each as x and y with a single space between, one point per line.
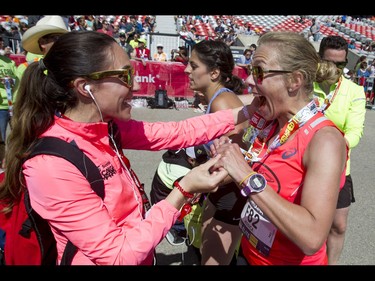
339 64
258 72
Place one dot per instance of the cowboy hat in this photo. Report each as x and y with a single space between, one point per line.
46 25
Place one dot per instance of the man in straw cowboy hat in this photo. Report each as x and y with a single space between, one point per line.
38 39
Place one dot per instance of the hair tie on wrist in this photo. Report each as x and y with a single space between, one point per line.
246 177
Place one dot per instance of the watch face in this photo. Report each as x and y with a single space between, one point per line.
257 182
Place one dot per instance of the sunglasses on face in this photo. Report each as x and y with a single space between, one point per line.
258 72
126 75
339 64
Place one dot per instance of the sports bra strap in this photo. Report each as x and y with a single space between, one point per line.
218 92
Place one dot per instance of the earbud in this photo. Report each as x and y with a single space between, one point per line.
88 89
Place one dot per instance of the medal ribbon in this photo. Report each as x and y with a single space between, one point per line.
296 122
329 98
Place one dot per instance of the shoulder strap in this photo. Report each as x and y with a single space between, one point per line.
218 92
70 152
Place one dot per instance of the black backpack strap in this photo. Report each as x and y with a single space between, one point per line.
71 152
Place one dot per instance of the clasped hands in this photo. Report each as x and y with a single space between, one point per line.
226 159
231 158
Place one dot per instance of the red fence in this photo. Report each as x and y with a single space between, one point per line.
169 75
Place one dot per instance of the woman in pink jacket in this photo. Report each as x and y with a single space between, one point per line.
76 96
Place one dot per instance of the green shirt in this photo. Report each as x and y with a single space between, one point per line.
30 57
347 110
7 69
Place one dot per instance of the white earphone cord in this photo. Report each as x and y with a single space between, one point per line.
93 98
100 112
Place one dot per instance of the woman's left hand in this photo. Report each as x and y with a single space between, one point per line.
232 159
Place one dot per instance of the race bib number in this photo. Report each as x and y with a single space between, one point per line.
257 228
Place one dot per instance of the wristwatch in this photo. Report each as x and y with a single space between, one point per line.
255 184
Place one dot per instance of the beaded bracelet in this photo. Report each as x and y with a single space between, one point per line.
185 193
245 178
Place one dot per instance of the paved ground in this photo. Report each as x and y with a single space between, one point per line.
360 239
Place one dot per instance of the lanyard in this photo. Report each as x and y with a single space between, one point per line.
329 98
255 136
260 134
142 53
